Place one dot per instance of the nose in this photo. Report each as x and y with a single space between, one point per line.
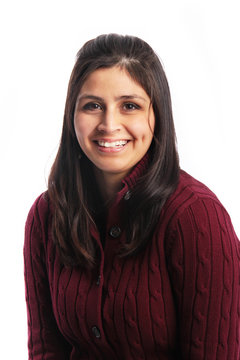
110 122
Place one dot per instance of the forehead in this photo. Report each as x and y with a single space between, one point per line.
112 80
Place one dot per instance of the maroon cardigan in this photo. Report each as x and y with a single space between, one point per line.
178 299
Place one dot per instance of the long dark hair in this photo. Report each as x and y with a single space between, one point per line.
70 187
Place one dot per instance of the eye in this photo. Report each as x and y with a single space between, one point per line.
91 106
130 106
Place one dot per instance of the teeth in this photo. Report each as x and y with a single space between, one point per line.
112 144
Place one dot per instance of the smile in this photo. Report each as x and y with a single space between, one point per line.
112 144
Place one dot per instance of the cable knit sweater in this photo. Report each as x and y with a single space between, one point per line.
177 299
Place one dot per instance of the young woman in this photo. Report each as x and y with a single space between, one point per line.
126 255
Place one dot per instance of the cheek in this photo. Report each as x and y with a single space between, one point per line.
150 126
143 130
82 128
151 121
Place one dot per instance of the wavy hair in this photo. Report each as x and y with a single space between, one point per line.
71 185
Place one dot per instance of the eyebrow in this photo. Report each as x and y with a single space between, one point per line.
98 98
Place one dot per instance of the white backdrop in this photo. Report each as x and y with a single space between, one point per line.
198 43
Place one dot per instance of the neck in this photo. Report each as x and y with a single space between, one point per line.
109 185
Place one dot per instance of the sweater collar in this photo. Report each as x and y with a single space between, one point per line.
131 179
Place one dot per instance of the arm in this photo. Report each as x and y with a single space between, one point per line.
204 270
44 339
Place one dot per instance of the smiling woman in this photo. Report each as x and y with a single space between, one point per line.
126 255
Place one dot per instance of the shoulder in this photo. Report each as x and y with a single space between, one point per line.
189 194
194 208
39 211
36 228
195 219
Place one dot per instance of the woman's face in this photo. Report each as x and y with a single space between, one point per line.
113 120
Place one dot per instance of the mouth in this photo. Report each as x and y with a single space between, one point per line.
111 144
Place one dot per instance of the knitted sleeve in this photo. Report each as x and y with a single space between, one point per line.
204 269
44 339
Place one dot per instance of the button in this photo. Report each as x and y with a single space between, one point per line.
98 280
127 195
96 332
115 231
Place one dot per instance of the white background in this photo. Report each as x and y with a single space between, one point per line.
198 43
